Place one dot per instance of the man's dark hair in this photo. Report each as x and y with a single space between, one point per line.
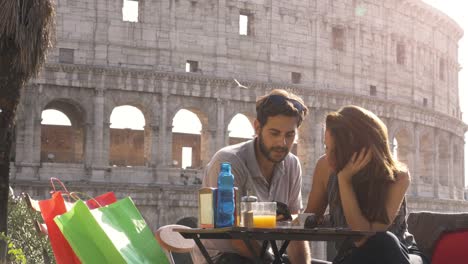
280 102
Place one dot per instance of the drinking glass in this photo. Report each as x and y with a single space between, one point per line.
264 214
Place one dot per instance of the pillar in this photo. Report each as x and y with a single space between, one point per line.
415 160
98 133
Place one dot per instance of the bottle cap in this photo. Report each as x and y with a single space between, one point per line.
249 198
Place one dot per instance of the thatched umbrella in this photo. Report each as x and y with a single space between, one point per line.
26 28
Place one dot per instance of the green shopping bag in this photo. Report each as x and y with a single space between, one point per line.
116 233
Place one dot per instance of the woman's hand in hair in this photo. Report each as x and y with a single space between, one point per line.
357 162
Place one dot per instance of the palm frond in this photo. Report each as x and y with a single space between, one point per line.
29 25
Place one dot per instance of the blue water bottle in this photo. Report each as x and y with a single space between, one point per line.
225 197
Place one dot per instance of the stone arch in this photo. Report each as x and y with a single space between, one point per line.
64 144
127 146
147 106
235 140
207 117
443 160
195 105
426 157
144 105
181 140
231 109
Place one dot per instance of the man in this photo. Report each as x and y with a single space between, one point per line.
264 167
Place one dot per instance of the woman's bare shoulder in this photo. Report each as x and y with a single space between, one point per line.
322 169
403 177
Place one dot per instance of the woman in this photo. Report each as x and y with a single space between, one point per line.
365 188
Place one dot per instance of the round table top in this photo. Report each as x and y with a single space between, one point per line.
173 241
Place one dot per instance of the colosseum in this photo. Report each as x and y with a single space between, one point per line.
397 58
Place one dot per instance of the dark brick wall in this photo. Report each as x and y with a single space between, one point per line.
62 144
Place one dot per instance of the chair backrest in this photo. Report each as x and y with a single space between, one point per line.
172 241
427 227
451 248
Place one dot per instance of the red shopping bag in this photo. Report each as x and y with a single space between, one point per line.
57 206
49 209
101 200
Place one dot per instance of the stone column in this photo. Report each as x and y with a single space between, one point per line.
460 177
27 163
148 133
36 144
415 174
98 135
106 144
435 167
153 155
207 148
32 131
88 148
318 134
412 59
168 145
451 177
226 138
162 148
305 151
221 132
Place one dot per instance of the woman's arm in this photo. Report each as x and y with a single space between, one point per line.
317 202
351 209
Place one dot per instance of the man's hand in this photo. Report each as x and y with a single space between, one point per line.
282 212
357 162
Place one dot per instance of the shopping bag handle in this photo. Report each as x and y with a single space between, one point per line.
53 179
65 190
75 196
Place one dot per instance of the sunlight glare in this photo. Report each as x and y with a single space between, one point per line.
186 122
240 127
127 116
130 11
243 25
54 117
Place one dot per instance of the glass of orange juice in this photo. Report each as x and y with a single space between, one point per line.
264 214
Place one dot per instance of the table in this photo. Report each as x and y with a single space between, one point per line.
269 236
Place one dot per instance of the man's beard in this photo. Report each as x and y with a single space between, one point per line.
267 152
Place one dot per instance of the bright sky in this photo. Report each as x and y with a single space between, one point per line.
131 117
54 117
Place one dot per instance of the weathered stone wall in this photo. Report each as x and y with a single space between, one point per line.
285 37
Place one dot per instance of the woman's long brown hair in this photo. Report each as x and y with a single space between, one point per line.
352 129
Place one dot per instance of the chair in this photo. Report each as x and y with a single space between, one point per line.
429 229
41 228
451 248
173 242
